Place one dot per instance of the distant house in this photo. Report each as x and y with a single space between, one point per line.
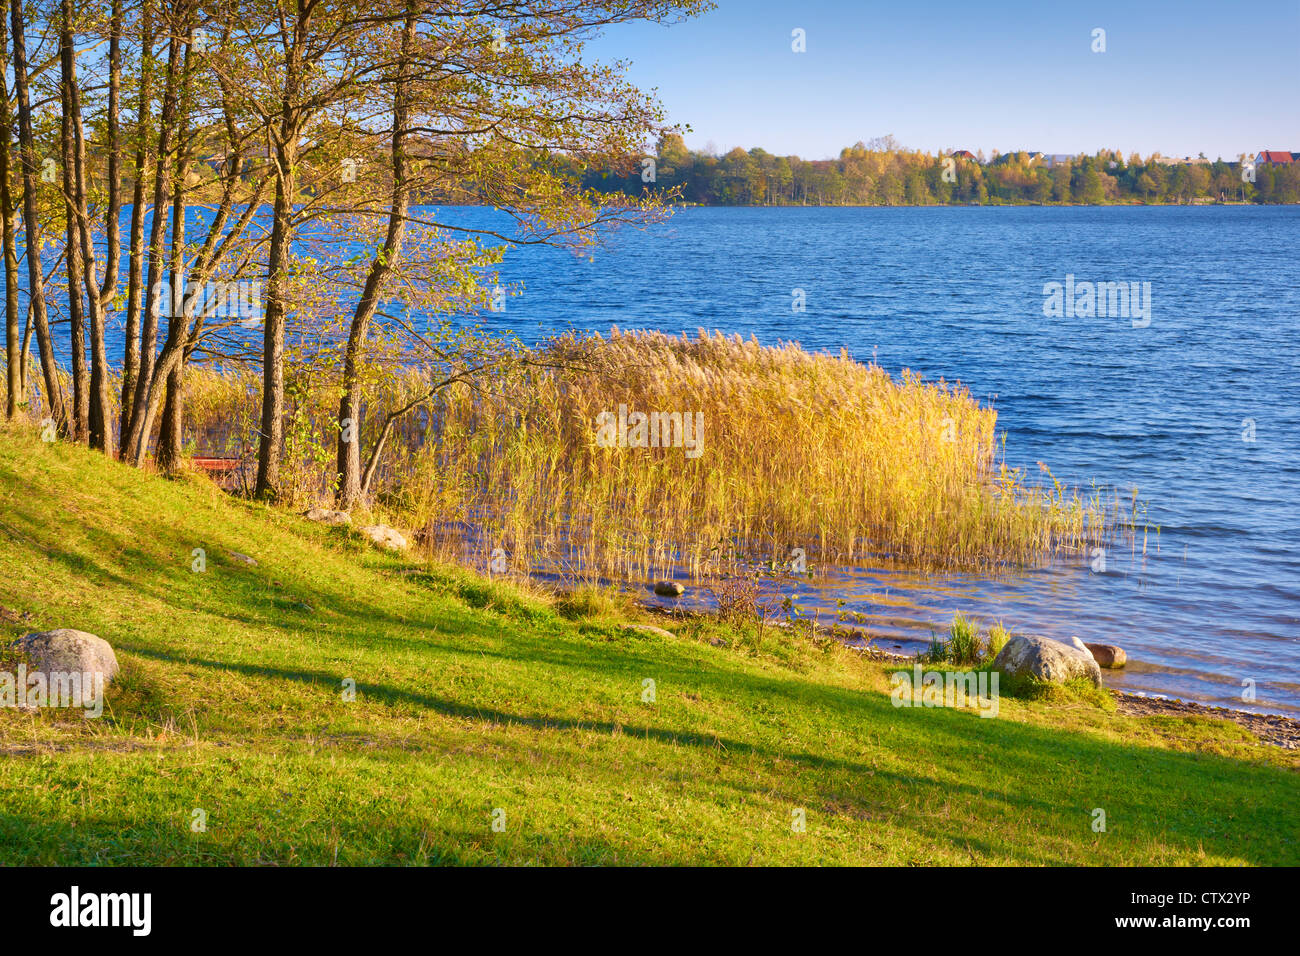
963 154
1276 157
1178 161
1057 159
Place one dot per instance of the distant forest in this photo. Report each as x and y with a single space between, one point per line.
883 173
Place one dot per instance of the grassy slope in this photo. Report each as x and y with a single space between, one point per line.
474 696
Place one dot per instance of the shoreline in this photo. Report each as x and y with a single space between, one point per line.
1278 730
1275 729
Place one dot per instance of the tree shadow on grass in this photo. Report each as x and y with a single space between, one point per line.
1048 774
1231 808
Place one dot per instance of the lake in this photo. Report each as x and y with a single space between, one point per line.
957 293
1196 406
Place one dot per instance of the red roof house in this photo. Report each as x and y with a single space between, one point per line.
1274 156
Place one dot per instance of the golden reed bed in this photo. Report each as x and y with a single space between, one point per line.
760 450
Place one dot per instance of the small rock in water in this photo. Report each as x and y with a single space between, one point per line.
1108 655
669 589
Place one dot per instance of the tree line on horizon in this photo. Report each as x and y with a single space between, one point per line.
883 173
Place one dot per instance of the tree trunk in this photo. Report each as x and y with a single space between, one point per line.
36 280
102 298
13 344
73 259
25 362
271 440
143 157
135 442
170 448
350 487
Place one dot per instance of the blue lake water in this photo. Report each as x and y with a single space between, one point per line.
958 293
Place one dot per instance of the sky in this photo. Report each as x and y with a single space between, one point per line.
1180 78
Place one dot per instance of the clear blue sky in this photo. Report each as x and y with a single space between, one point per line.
1181 76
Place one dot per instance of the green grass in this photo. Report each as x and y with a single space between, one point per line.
474 695
964 646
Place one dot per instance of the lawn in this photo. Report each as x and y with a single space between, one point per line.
230 737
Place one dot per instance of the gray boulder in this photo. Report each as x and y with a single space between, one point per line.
1048 660
382 536
669 589
66 652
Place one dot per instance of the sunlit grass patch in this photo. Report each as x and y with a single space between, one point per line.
475 694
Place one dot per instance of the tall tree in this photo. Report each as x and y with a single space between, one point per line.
135 433
73 197
13 347
94 407
285 143
54 402
349 444
491 104
141 165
